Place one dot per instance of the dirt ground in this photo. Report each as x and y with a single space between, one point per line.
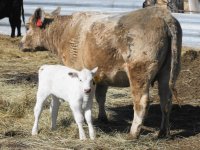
18 83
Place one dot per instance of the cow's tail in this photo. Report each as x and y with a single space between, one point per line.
176 45
23 18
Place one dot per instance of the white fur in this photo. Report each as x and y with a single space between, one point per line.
70 85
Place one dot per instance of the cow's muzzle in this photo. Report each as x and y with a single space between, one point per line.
21 46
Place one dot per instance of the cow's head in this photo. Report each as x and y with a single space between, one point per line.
35 27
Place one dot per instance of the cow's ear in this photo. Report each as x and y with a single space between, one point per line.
38 17
56 12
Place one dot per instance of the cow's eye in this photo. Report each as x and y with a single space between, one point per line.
93 82
27 28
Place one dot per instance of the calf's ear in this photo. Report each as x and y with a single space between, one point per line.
73 74
94 70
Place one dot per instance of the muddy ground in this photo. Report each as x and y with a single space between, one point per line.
19 70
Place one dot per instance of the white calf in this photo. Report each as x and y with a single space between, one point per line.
76 87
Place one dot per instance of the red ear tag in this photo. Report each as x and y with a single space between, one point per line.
39 23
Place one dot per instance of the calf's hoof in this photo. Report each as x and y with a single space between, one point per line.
83 138
34 132
130 137
92 137
53 128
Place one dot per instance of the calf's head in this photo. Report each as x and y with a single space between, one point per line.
37 23
85 78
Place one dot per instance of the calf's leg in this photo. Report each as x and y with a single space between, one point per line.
100 95
54 107
79 118
41 97
88 117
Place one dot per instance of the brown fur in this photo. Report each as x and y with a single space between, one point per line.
129 49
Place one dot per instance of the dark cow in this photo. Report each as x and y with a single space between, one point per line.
13 10
149 3
176 6
131 49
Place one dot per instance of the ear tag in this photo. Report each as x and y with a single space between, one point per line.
39 23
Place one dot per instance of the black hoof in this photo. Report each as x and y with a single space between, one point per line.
164 135
103 119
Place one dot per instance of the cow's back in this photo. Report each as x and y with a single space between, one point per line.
107 41
5 8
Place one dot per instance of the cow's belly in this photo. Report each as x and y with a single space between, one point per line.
115 79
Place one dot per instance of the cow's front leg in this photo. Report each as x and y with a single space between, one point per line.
100 95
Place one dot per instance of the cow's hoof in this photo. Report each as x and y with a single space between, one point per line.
164 135
103 119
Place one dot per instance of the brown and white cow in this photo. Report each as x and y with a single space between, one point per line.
131 49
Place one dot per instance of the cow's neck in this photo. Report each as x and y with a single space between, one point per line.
51 36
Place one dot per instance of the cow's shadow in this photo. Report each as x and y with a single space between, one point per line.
21 77
185 120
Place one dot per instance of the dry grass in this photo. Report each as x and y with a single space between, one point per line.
18 85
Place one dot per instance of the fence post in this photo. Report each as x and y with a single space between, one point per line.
194 5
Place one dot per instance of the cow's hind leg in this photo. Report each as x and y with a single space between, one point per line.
141 103
165 101
55 103
100 95
12 24
18 24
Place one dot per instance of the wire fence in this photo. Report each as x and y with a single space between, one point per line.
190 23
